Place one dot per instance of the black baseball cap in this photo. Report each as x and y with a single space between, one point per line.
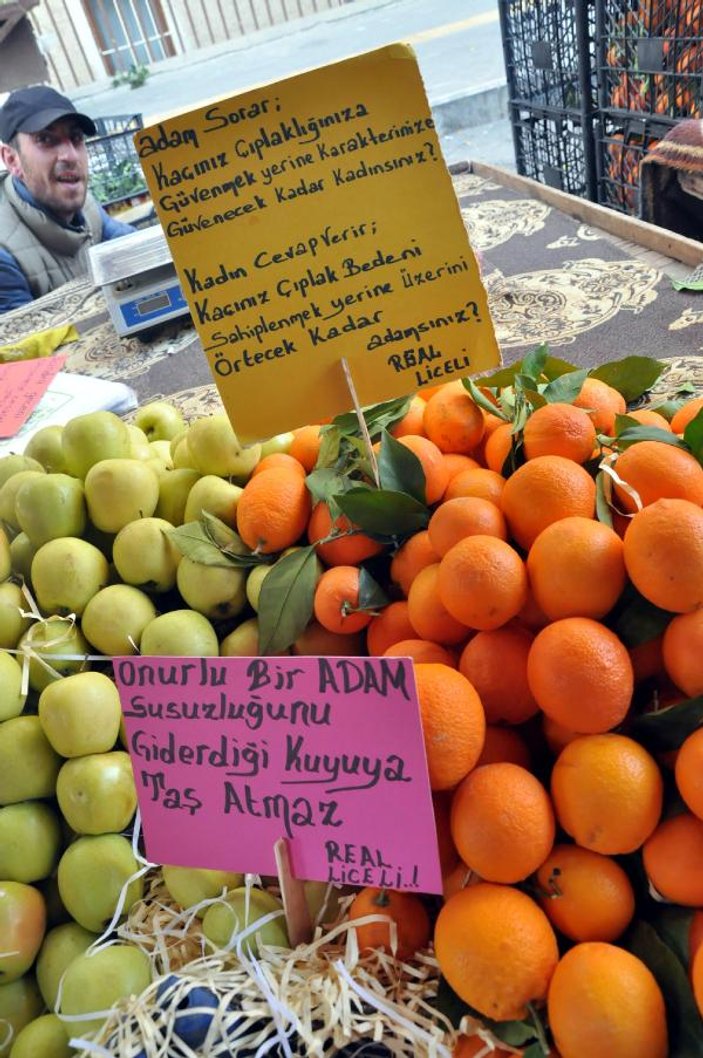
35 108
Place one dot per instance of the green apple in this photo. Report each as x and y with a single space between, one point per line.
96 981
145 556
81 714
174 489
5 555
28 763
215 591
20 1003
96 793
22 928
161 451
216 449
243 641
11 698
15 462
189 886
45 1037
8 496
176 440
30 841
138 443
59 643
280 442
255 581
49 506
216 496
61 946
160 420
114 619
118 491
88 439
182 455
46 446
22 551
180 633
66 574
12 624
240 909
92 873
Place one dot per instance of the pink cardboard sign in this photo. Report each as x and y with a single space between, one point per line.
22 385
231 754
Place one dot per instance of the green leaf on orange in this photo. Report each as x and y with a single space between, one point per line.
384 512
632 376
286 600
399 469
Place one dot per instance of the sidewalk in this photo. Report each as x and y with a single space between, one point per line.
457 43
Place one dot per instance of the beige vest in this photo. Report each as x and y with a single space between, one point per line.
48 254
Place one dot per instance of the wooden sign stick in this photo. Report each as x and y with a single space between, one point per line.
362 421
295 905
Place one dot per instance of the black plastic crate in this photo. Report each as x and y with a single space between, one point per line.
551 147
115 173
622 142
549 49
650 57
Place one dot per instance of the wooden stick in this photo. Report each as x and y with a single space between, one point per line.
295 905
362 422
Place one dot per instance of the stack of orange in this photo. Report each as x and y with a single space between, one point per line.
503 603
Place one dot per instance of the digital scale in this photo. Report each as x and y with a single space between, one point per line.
138 279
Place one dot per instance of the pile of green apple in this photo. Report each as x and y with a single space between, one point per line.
88 568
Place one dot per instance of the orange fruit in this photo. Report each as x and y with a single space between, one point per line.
471 1046
556 735
656 470
586 896
389 627
433 466
278 459
411 421
681 652
415 554
457 879
337 599
576 568
544 490
495 663
448 856
559 429
504 744
428 615
314 639
647 659
453 723
602 402
456 463
647 417
607 792
580 674
697 979
502 822
480 482
349 549
412 923
496 949
421 650
273 510
305 446
686 414
688 771
465 516
664 554
453 420
497 447
673 859
482 582
604 1001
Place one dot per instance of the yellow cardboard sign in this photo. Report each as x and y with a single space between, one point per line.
314 220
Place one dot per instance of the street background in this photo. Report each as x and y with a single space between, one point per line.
457 43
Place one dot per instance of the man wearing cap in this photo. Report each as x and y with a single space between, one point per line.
48 218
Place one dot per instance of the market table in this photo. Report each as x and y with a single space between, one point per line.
594 284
